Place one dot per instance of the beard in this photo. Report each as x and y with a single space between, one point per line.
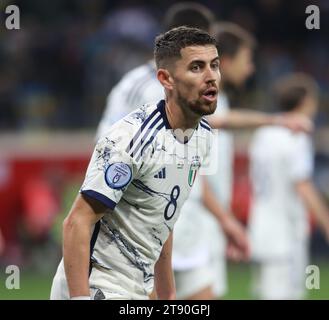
196 106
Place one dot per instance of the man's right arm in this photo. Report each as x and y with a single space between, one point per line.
77 230
238 243
315 204
249 119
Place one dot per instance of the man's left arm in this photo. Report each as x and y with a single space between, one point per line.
163 274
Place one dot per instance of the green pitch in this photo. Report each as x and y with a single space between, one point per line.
33 286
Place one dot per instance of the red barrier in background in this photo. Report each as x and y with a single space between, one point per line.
31 190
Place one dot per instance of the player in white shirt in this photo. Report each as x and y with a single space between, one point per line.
117 238
137 87
200 271
281 164
187 261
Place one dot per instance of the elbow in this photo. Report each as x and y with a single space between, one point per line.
71 231
76 223
68 225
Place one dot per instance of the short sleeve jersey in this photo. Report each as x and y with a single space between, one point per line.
143 174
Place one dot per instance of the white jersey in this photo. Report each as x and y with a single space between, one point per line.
141 85
190 251
137 87
141 172
278 159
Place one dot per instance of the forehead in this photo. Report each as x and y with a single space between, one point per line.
205 53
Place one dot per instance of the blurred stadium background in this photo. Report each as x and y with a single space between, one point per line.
55 73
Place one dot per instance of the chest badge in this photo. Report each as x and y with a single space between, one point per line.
195 165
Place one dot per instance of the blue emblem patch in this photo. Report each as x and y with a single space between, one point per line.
118 175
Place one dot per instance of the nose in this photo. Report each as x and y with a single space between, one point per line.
212 75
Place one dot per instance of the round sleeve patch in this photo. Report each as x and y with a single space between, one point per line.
118 175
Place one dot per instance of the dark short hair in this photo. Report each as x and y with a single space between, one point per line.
189 14
169 44
231 37
290 90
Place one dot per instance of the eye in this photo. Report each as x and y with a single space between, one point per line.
195 68
215 65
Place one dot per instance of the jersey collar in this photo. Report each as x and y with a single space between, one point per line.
162 108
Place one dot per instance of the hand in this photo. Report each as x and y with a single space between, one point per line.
238 248
294 122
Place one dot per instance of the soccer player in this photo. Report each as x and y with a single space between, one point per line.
281 164
140 86
117 238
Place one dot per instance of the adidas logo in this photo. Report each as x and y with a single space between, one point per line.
161 174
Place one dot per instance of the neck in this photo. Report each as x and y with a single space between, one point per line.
179 118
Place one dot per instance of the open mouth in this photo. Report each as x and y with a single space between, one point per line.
210 94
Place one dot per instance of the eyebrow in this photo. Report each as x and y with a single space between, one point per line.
202 61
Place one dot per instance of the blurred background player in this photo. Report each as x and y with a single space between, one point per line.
200 268
281 165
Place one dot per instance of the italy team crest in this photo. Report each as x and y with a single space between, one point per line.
193 172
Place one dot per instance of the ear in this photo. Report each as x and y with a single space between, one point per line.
165 78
